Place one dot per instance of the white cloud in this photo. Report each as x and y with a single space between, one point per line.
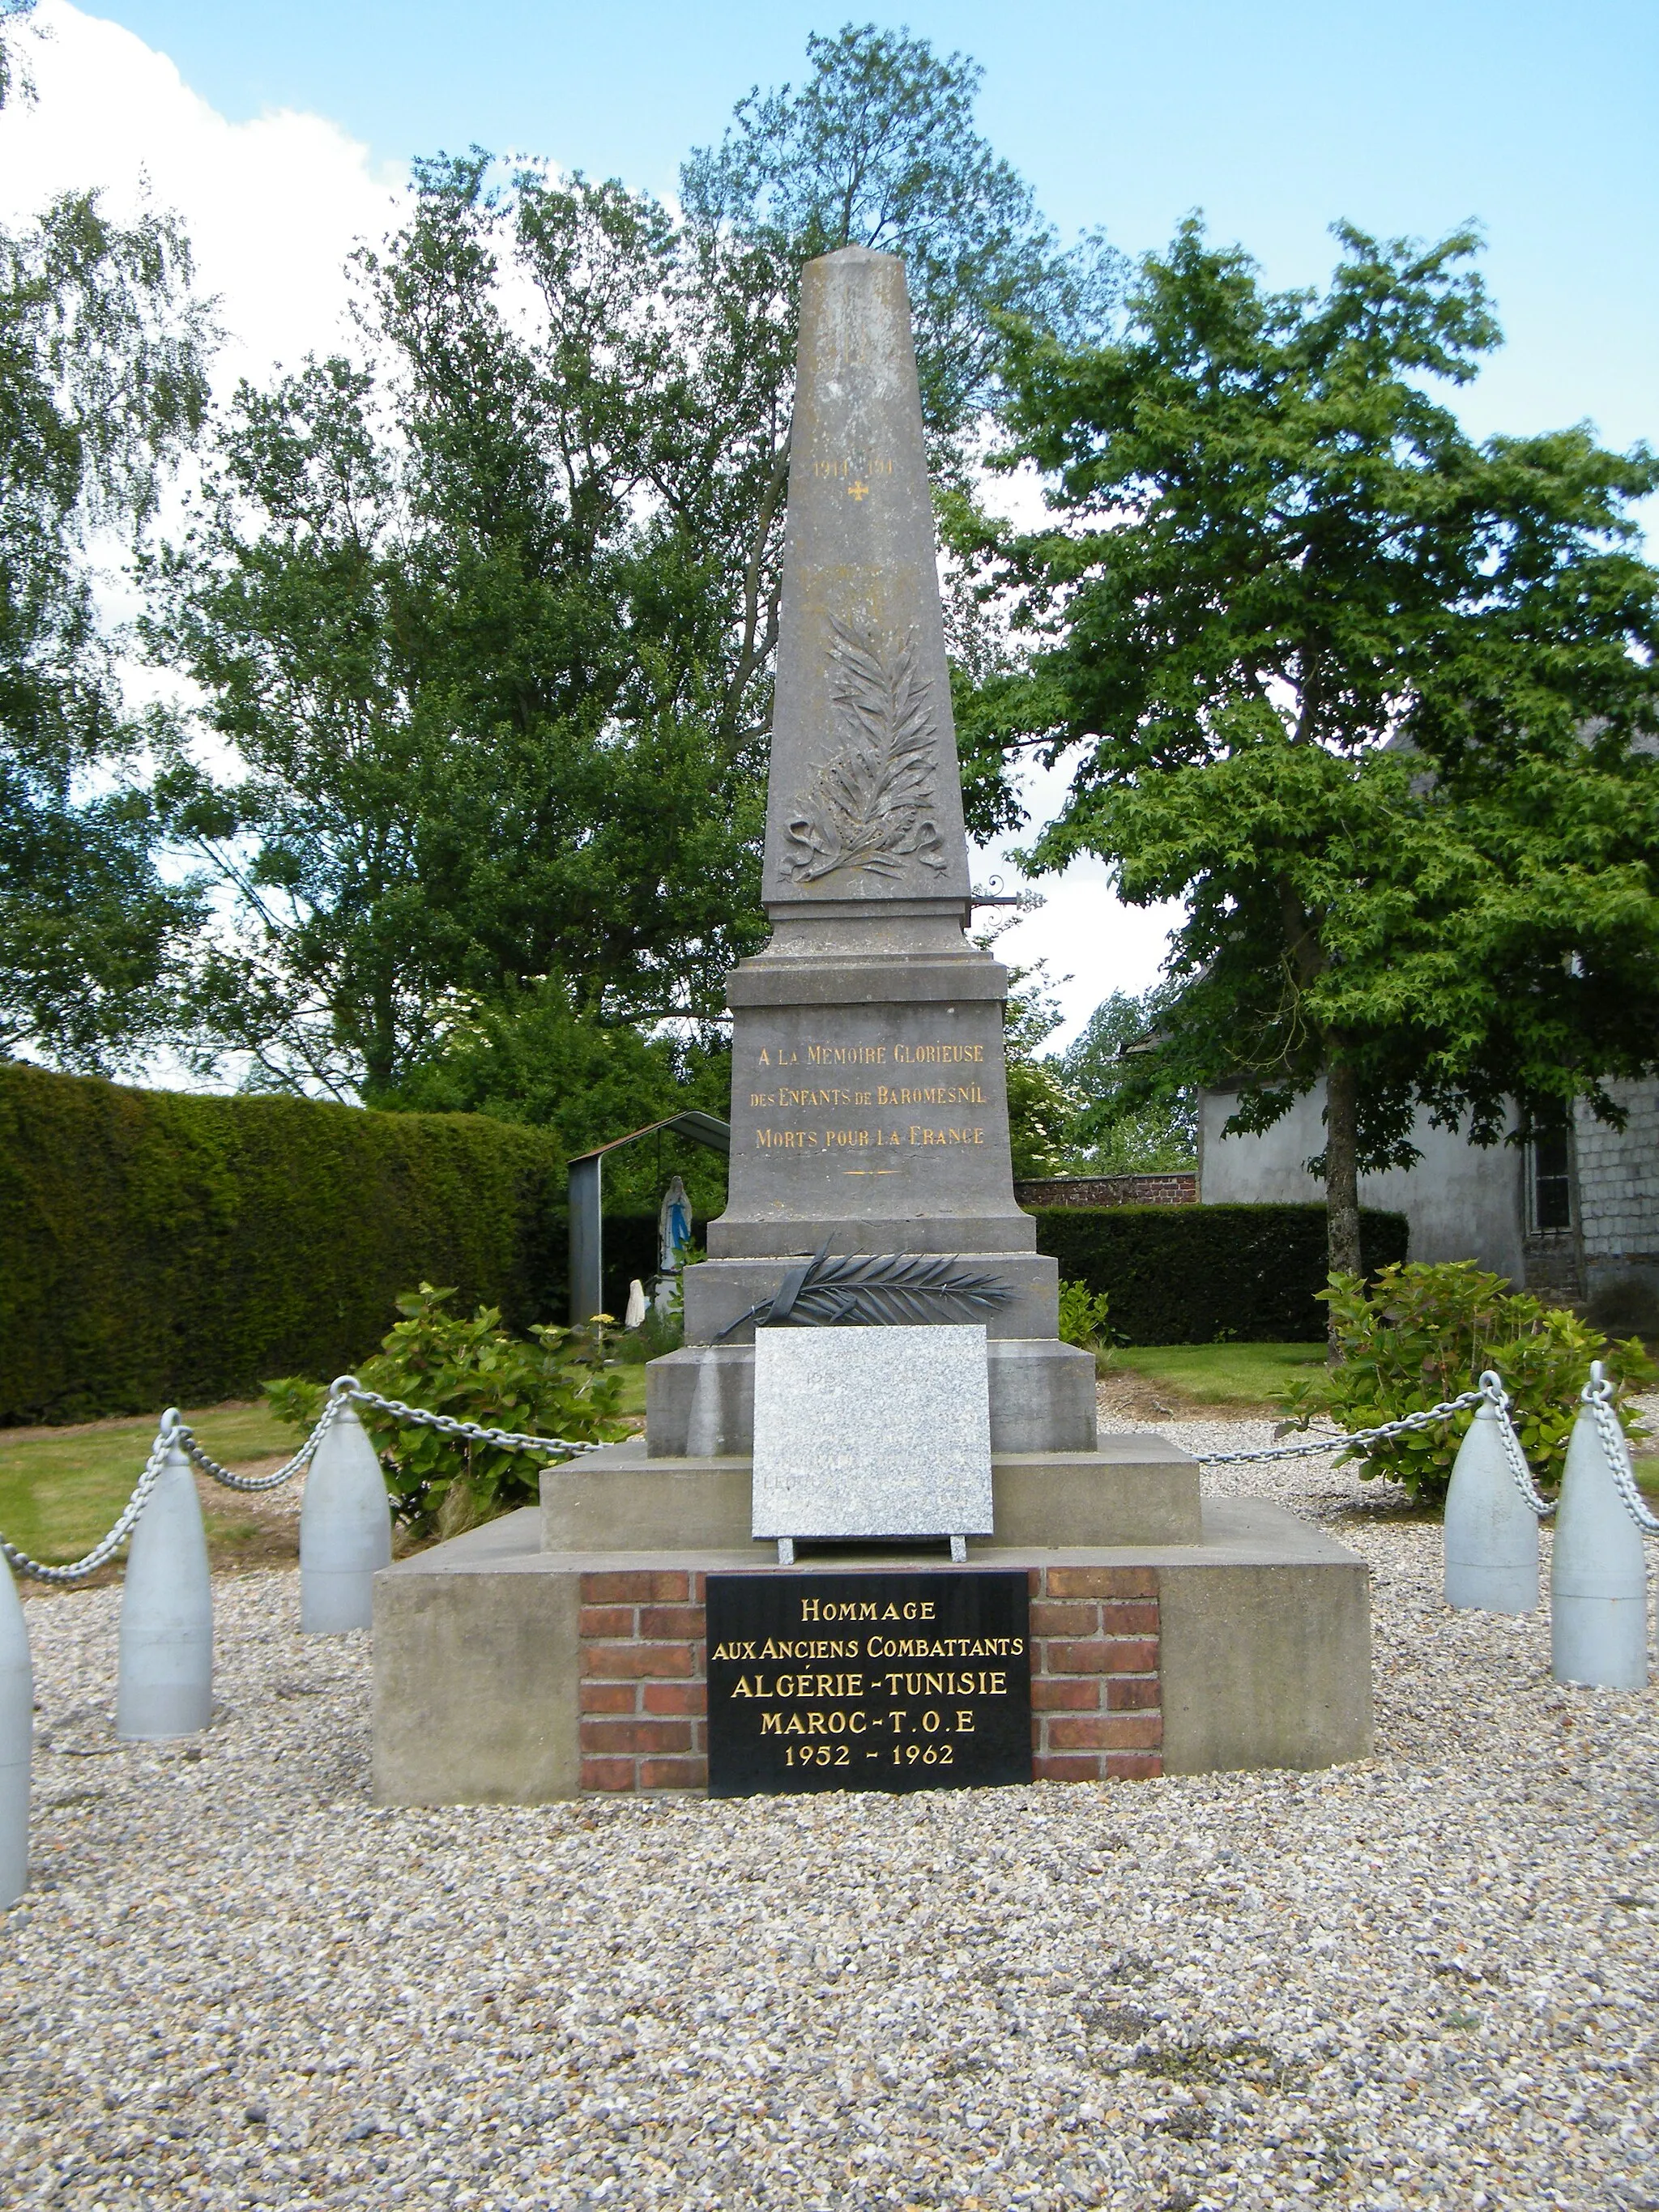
1093 944
272 206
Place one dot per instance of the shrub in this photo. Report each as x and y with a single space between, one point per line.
1424 1334
1083 1316
160 1248
1203 1274
474 1370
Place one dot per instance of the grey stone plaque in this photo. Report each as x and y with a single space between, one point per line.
872 1432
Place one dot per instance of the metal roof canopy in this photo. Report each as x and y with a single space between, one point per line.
586 1204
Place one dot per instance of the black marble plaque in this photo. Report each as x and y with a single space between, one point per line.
867 1681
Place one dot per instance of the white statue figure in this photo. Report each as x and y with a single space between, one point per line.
673 1226
636 1308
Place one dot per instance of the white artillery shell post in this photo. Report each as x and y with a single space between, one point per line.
345 1530
1491 1532
166 1686
1598 1580
17 1741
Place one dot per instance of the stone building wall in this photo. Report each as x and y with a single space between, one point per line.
1617 1178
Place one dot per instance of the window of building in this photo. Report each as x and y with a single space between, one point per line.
1552 1180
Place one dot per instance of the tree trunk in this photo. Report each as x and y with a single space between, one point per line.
1341 1161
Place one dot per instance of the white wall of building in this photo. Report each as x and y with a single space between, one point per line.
1463 1202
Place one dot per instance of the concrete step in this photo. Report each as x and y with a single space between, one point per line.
1130 1490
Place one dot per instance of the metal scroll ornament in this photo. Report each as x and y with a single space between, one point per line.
869 807
882 1289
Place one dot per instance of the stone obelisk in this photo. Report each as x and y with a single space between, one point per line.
869 1105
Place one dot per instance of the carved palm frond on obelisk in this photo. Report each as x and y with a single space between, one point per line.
871 805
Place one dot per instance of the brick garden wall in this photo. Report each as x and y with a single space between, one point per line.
1095 1695
1180 1189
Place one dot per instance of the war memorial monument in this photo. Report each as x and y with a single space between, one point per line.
870 1538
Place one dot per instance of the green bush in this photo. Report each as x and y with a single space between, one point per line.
474 1370
1424 1334
159 1247
1207 1274
1083 1316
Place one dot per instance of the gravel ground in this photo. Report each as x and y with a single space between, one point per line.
1428 1979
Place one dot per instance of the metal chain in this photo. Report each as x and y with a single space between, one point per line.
105 1551
255 1482
1491 1388
1347 1440
350 1387
344 1390
1598 1394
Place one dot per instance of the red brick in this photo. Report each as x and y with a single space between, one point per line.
1130 1655
1130 1693
1078 1767
606 1620
1093 1656
609 1698
1128 1618
639 1737
677 1697
1102 1581
607 1774
699 1589
1070 1696
631 1662
676 1621
618 1589
1099 1731
700 1735
1133 1766
673 1774
1033 1581
1050 1620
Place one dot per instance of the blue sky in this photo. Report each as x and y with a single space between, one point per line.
1275 116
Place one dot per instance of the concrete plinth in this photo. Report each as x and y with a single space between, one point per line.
701 1401
508 1674
1132 1490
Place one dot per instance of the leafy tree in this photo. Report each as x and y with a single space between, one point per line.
539 1062
1042 1110
1376 700
878 149
102 387
1126 1123
487 614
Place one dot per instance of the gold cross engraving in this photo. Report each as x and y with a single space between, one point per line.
860 490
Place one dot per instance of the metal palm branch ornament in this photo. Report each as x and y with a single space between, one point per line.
884 1290
870 806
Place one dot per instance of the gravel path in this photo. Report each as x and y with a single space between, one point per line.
1430 1979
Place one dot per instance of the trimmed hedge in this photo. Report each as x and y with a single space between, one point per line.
157 1247
1194 1274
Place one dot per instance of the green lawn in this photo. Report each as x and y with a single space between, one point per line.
60 1489
1219 1374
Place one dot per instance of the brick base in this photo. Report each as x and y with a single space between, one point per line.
644 1683
1095 1695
